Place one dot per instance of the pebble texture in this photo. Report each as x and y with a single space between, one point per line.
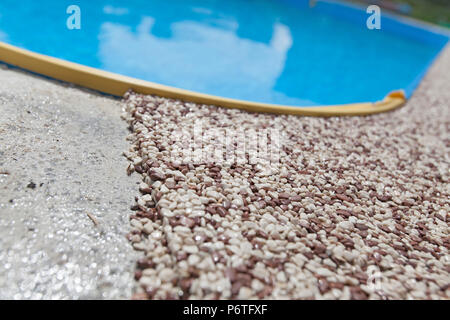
60 160
356 208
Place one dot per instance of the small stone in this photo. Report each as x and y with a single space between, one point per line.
324 272
344 197
244 293
31 185
193 259
319 248
190 249
157 176
221 211
148 228
186 221
283 195
323 285
346 225
361 226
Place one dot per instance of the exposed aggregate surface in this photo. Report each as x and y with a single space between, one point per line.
356 208
60 161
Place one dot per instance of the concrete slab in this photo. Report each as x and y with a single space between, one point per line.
60 160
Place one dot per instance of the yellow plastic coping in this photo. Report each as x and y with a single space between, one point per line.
115 84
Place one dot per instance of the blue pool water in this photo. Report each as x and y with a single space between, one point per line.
273 51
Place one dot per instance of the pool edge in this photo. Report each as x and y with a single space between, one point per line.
115 84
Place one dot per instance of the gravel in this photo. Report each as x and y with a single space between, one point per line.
353 208
344 208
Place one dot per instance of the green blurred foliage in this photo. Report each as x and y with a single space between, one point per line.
434 11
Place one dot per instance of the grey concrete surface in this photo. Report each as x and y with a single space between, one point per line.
60 159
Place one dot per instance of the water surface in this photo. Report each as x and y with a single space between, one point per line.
280 52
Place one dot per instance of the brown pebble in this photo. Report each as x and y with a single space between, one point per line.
145 263
145 190
319 248
296 198
185 284
157 176
358 294
361 226
283 195
137 275
384 198
221 211
343 197
211 209
336 285
323 285
344 213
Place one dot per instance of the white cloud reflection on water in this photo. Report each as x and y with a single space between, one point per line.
199 57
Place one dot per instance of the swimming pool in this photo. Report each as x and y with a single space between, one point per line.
269 51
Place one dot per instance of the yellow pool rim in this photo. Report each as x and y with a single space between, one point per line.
115 84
